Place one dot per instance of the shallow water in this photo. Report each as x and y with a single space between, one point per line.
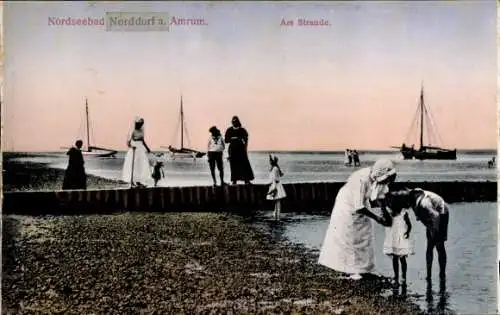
472 268
298 167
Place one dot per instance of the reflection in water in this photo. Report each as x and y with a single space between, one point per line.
404 291
265 220
441 306
277 230
470 285
397 295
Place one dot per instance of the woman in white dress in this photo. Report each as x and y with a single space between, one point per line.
276 191
137 162
348 244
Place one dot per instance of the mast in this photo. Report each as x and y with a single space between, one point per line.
422 116
182 126
87 123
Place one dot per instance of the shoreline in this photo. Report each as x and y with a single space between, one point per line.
22 176
173 263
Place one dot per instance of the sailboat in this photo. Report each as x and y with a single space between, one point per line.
183 152
425 152
93 151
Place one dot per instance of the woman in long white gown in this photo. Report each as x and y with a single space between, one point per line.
138 161
348 244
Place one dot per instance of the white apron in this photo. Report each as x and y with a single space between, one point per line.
348 244
142 168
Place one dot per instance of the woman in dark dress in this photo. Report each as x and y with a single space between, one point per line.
75 177
237 137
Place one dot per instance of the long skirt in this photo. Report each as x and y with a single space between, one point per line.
348 244
239 164
75 178
137 163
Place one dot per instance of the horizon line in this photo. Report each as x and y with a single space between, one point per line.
262 150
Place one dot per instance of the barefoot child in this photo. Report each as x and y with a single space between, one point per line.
432 211
398 244
215 152
158 171
276 191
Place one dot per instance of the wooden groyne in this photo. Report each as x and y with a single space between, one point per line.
303 197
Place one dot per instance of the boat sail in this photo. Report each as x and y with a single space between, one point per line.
183 152
93 151
425 152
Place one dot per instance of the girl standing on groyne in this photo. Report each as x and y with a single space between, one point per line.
276 191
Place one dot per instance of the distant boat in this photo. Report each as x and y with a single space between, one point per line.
94 151
183 152
425 152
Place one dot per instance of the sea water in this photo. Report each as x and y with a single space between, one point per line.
297 167
472 268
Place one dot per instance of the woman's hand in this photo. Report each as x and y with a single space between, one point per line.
385 221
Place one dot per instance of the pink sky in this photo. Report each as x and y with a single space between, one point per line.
353 84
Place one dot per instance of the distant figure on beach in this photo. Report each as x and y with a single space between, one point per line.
158 173
215 150
348 244
348 158
237 137
75 177
355 158
136 167
491 163
276 191
398 245
432 211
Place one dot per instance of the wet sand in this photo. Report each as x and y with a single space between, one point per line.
22 176
171 264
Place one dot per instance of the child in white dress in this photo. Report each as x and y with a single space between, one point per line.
276 191
398 244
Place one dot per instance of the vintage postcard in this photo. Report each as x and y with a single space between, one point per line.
250 157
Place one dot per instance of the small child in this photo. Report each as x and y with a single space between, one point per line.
276 191
398 244
158 170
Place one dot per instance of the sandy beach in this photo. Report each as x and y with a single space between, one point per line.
171 264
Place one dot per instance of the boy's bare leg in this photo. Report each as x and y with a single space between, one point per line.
212 171
442 260
444 225
220 166
429 255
